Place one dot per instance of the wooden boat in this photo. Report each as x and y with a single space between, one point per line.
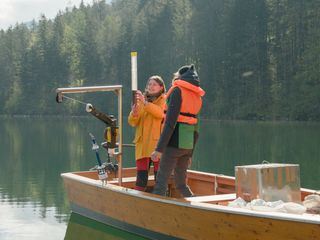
205 216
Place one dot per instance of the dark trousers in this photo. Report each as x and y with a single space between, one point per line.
178 160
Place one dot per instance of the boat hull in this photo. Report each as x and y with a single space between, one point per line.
165 218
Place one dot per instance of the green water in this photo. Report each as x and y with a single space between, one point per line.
34 151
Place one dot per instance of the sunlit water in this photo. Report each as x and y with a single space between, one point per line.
29 220
34 151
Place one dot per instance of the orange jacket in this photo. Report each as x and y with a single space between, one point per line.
191 101
148 125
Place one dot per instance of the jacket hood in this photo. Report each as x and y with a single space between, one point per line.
189 86
189 74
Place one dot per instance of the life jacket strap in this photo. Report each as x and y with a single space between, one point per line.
185 114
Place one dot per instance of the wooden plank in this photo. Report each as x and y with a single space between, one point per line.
221 190
210 177
201 187
213 198
209 183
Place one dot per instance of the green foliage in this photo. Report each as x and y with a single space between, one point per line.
256 59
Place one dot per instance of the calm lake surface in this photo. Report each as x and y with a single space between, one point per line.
35 150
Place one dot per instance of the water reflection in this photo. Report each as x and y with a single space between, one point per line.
223 145
82 228
33 153
29 220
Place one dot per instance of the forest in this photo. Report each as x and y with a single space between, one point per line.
257 59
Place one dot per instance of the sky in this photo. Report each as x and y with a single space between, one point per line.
13 11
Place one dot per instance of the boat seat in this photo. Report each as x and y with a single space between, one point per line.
130 179
130 182
213 198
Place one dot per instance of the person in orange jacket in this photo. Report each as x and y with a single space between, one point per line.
147 117
180 131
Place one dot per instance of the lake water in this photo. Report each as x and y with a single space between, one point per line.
35 150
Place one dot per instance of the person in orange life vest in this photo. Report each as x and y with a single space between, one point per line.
177 140
147 117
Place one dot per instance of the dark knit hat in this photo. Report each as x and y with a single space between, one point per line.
188 73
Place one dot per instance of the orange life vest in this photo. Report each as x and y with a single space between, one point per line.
191 101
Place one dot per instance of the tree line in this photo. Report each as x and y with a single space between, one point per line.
257 59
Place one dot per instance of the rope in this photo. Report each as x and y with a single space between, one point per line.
74 100
77 118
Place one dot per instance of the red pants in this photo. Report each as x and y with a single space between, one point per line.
143 166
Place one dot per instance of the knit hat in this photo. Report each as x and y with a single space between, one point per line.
189 74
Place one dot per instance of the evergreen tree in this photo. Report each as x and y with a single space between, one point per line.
257 59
